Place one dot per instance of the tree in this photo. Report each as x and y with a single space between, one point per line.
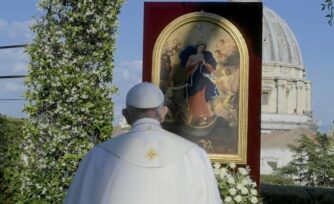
323 165
328 6
312 161
68 91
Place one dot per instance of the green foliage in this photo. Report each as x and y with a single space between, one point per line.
329 7
68 90
312 162
276 179
10 158
276 194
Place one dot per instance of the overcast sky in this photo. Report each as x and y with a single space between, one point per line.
314 35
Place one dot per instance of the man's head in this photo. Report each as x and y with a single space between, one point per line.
144 100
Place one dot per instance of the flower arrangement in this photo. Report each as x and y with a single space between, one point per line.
235 184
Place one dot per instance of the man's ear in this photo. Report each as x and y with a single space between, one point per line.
126 115
163 113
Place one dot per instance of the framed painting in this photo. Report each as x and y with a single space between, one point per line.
200 63
206 58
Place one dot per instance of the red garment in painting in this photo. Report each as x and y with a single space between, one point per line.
197 105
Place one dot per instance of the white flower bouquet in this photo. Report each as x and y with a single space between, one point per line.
235 184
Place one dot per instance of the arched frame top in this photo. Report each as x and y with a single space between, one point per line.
232 33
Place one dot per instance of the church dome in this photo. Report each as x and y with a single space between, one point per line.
279 43
286 93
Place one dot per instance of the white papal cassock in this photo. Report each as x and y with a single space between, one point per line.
147 165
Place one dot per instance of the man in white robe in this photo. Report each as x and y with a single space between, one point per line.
146 165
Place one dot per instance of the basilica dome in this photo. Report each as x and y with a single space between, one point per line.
279 43
286 93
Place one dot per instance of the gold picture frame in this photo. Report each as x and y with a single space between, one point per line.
197 50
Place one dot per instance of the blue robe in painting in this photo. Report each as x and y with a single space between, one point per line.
200 78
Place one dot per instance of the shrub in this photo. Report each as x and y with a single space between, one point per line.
68 91
10 158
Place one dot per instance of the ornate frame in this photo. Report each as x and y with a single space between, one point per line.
241 156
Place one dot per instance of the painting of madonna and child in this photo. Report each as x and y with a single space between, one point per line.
200 77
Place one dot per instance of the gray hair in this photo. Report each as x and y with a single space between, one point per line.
139 113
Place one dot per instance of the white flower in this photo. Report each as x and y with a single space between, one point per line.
253 192
236 186
216 171
254 184
223 170
242 171
222 174
254 200
89 12
216 165
245 182
231 180
244 190
227 199
238 198
232 165
232 191
92 30
240 186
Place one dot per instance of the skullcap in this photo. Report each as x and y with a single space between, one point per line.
144 95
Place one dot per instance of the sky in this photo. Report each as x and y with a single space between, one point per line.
305 18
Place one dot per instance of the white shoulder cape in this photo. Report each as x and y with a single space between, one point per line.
145 166
148 146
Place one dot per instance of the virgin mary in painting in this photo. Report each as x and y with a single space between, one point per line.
199 63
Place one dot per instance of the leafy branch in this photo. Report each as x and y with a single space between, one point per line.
328 6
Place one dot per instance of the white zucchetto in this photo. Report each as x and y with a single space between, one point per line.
144 95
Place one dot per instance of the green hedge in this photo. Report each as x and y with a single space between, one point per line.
275 179
69 92
275 194
10 158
